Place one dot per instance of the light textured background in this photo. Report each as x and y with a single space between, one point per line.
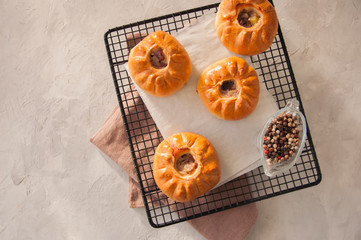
56 90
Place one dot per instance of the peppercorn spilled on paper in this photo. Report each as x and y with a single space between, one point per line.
235 141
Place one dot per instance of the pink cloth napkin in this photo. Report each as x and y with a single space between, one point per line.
234 223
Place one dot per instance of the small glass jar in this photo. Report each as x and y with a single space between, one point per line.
282 139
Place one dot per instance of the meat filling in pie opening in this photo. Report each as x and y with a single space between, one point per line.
248 17
185 164
158 58
229 88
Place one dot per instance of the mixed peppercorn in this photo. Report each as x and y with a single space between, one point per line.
281 139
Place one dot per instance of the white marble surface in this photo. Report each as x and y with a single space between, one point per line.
56 90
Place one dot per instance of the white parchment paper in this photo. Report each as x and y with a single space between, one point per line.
235 141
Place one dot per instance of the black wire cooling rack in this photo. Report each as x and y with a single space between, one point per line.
275 71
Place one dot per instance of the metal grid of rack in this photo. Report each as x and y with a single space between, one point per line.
275 71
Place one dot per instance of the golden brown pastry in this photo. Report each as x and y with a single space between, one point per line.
186 166
246 27
159 64
229 88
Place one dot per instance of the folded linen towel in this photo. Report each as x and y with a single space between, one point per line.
234 223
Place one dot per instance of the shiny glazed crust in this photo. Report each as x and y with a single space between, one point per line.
165 81
241 40
234 107
186 187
